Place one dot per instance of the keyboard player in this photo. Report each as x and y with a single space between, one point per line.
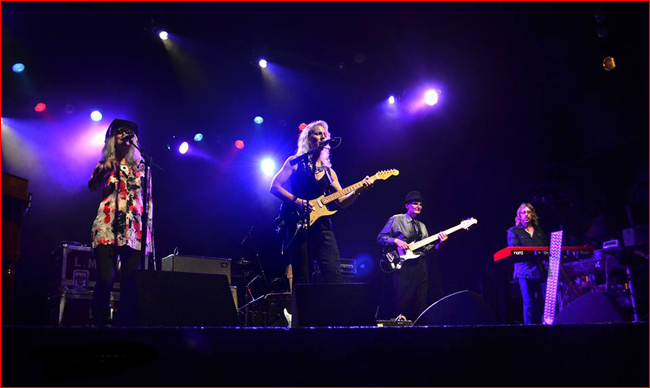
530 274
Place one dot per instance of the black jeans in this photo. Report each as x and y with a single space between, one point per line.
317 245
106 257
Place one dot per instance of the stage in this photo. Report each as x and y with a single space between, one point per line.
498 355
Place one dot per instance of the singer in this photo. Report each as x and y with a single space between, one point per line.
117 229
295 184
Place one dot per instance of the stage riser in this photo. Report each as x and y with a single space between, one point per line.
567 355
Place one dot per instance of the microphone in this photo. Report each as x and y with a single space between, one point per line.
128 137
333 143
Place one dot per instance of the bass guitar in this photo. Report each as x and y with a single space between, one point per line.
396 258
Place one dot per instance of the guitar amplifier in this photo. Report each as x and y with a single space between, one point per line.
76 267
197 264
348 267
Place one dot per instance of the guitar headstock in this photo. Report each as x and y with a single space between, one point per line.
385 174
465 224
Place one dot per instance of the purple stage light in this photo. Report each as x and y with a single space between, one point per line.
431 97
183 148
98 138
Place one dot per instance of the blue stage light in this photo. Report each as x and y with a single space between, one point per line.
198 137
258 119
18 67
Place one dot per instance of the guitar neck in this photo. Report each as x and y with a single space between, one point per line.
334 196
419 244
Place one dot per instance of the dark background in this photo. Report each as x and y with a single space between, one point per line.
527 113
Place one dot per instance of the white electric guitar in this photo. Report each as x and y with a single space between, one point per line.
397 257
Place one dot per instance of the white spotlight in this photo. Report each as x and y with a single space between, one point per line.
96 115
263 63
391 100
268 167
431 97
163 35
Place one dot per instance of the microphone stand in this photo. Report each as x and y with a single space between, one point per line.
249 237
148 162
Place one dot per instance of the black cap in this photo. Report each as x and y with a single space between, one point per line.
413 196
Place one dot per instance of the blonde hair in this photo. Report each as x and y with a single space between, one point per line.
303 142
133 157
534 220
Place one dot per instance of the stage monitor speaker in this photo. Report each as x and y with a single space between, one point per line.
159 298
460 308
594 307
337 304
197 264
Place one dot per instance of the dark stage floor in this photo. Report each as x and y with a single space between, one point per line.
500 355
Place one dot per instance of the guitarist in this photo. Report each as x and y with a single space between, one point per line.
411 284
296 185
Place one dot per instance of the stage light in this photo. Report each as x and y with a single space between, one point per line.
183 148
268 167
258 119
431 97
609 64
18 67
163 35
391 100
263 63
198 137
364 265
239 144
302 126
40 107
99 138
96 115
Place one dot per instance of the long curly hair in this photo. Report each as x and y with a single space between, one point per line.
303 142
534 220
133 157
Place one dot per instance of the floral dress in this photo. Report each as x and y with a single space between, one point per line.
129 214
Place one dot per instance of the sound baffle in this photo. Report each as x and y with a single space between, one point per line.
177 299
340 304
460 308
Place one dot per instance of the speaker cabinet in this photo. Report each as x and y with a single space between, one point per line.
153 298
594 307
340 304
460 308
